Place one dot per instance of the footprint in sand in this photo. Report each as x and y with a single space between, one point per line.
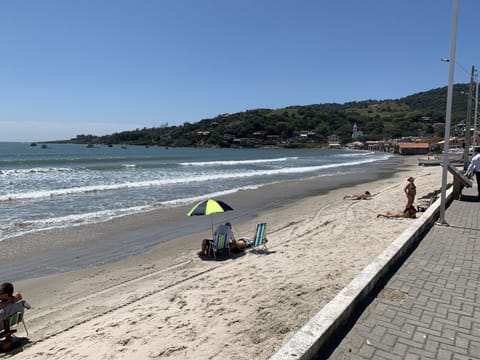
182 325
181 304
167 352
123 342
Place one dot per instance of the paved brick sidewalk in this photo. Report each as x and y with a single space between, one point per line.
430 308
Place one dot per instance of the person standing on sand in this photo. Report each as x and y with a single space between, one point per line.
475 166
410 191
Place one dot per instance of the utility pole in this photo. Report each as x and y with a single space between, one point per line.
448 115
468 121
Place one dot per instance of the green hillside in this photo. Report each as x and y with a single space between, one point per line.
414 115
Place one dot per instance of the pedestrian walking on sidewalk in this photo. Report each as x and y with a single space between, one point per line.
475 166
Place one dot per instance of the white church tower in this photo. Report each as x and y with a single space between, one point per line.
356 133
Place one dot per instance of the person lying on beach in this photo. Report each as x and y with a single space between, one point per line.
7 296
409 213
239 245
365 196
221 229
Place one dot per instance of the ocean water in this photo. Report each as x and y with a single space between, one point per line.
66 185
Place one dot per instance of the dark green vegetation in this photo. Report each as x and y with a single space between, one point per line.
421 114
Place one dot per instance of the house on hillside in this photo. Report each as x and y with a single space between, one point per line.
334 142
306 135
333 139
453 142
258 134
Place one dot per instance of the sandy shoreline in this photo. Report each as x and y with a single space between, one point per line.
70 249
168 303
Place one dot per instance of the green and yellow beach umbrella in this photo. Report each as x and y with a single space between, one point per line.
209 207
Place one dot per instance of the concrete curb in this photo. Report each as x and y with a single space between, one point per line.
314 336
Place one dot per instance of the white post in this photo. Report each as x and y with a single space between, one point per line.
448 117
468 121
475 120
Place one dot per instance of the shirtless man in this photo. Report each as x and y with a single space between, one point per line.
365 196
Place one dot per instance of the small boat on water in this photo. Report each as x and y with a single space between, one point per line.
429 162
437 160
44 146
33 144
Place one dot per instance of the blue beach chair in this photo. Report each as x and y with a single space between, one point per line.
220 243
10 317
260 238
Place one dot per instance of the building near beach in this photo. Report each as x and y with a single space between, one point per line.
413 148
356 133
355 145
334 142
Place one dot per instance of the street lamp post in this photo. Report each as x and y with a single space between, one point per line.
456 63
448 116
475 119
468 121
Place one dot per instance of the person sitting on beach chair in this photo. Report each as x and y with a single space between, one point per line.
409 213
7 296
221 229
12 307
365 196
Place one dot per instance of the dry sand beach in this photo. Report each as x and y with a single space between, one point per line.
168 303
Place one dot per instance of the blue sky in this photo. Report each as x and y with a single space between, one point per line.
101 66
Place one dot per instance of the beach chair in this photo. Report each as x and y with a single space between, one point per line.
221 243
425 202
10 317
260 238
